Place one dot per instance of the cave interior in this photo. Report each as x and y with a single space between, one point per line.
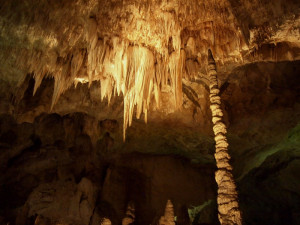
157 112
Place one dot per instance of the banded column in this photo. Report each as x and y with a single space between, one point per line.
228 206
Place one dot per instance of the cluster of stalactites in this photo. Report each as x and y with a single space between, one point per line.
122 68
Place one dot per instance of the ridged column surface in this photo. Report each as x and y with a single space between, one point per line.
228 206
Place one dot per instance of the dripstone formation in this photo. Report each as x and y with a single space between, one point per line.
149 112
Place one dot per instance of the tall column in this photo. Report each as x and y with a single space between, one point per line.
228 206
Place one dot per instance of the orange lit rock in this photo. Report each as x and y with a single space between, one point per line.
229 212
130 215
168 218
105 221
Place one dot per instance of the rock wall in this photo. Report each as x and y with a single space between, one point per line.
54 176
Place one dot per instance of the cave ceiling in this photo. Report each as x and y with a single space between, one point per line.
144 51
78 77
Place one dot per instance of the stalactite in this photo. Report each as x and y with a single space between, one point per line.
138 84
168 218
228 206
39 68
92 37
176 65
38 80
63 79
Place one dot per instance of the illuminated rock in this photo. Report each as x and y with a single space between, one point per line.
120 60
136 48
168 218
130 216
229 212
105 221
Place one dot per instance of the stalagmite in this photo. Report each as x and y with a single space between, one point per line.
228 206
168 218
105 221
130 216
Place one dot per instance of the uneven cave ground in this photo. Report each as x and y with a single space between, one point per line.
71 167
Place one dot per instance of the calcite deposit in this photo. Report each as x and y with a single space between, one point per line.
137 48
168 218
228 206
130 216
109 108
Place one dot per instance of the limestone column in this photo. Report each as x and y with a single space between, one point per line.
228 206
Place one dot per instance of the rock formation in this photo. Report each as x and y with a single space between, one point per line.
50 202
168 218
136 48
228 206
77 77
130 216
105 221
